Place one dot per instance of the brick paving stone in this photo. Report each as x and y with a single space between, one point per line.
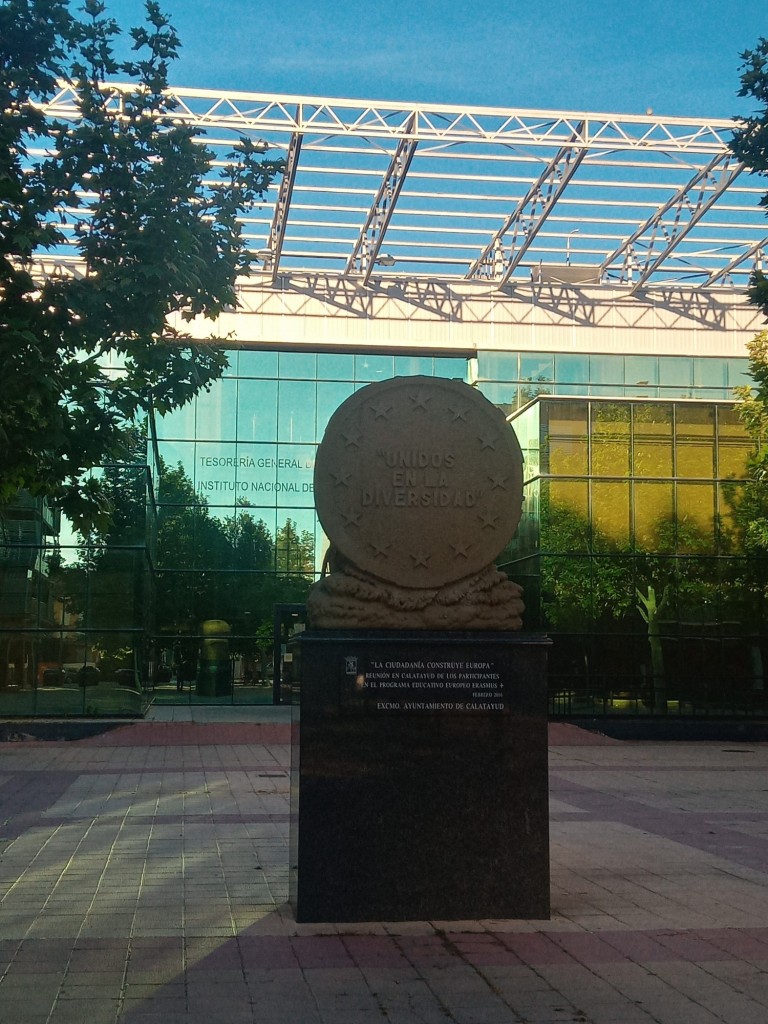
719 997
533 948
744 979
375 951
586 948
320 951
151 863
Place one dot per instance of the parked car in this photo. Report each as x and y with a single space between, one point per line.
81 675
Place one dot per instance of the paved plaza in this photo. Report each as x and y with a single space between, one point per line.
143 878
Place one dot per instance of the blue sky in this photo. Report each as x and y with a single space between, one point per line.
677 57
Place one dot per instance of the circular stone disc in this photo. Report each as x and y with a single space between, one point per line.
418 481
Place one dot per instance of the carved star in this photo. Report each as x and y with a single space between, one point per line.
458 414
351 437
498 481
460 550
487 442
351 518
341 476
381 411
420 400
380 550
488 519
420 558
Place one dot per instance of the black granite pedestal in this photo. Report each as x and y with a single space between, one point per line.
419 777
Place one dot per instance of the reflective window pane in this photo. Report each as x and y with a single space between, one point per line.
738 372
733 459
173 454
295 468
610 510
216 479
252 536
256 363
296 411
695 518
730 523
571 369
217 412
641 371
329 398
610 439
652 440
564 516
654 511
257 410
335 366
710 373
505 396
734 446
497 366
606 369
566 433
232 369
537 367
526 428
407 366
694 431
258 468
177 424
571 497
453 367
370 367
297 365
676 371
295 544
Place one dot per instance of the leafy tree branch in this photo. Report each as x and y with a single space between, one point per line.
128 188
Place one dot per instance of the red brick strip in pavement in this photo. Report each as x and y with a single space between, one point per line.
174 734
562 734
185 734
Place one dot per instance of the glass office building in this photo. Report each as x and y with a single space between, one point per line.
214 528
631 551
632 470
511 379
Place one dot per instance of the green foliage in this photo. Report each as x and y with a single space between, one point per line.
126 186
750 141
590 583
749 502
232 567
229 568
295 552
651 609
593 581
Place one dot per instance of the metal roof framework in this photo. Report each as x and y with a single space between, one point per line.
484 194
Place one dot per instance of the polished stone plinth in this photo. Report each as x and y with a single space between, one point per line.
419 777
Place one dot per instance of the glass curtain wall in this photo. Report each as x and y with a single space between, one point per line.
630 547
511 379
76 612
631 551
237 532
214 528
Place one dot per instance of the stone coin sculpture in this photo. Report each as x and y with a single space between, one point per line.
418 486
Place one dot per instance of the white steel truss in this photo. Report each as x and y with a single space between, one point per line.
271 256
368 245
426 191
756 251
528 218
